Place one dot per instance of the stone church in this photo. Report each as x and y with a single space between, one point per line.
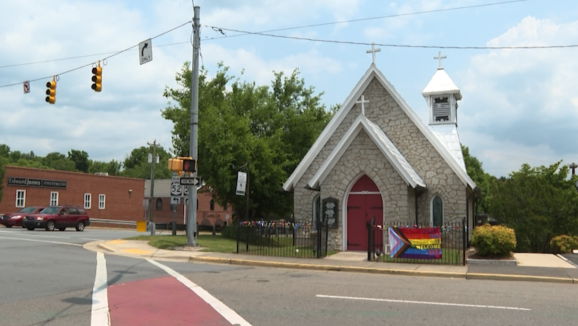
377 160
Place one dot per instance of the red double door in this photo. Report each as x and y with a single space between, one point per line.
364 202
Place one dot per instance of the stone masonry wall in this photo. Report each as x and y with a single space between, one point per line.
350 168
419 152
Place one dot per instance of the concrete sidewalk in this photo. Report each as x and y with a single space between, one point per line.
527 267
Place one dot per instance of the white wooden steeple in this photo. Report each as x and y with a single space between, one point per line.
442 96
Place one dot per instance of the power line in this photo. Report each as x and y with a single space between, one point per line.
454 47
112 54
356 20
220 30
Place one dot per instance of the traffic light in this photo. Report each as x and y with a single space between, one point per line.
189 165
97 78
175 164
182 164
51 91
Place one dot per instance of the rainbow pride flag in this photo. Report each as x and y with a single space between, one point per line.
416 243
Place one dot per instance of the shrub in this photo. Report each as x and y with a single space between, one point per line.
494 240
563 244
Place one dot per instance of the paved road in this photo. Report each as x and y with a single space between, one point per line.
49 279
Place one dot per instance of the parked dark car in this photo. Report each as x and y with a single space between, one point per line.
15 219
57 217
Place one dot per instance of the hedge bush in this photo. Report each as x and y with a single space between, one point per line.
563 244
493 240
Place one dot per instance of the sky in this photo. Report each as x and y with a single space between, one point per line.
518 106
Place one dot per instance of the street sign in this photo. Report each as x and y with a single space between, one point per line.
145 51
176 190
241 183
190 181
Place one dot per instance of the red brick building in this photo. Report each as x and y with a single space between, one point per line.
103 197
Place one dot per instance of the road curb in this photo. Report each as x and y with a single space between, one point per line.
334 268
105 247
518 277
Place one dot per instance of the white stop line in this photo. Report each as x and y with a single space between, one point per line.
421 302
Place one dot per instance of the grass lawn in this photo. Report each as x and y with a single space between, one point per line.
217 243
212 243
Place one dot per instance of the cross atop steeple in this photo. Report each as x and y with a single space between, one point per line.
439 58
373 51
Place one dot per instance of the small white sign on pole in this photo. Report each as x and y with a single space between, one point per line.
145 51
241 183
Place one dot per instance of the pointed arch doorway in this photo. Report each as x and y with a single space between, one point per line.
363 202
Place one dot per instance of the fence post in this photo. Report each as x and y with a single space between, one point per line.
464 241
318 238
238 234
369 240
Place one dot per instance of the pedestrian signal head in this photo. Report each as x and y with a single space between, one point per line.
189 165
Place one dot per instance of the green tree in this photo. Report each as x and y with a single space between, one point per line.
538 203
136 165
482 179
262 130
80 159
58 161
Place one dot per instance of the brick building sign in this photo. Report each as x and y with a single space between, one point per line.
29 182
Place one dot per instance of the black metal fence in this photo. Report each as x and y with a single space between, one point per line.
282 239
402 243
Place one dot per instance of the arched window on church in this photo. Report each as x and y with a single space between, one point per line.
316 213
437 211
212 204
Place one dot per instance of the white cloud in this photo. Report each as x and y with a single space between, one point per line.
522 104
261 70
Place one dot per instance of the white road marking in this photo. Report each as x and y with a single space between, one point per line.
229 314
44 241
421 302
99 315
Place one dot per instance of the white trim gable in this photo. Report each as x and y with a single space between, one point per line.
329 129
385 145
348 104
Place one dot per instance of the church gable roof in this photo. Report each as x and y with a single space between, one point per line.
380 139
348 104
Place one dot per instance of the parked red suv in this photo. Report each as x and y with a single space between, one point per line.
15 219
57 217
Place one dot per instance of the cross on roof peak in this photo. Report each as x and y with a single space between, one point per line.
362 101
439 58
373 51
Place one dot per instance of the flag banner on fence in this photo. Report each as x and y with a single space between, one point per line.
415 243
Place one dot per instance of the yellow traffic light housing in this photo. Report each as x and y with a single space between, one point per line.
182 164
97 78
175 164
51 91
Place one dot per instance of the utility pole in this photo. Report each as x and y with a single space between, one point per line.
192 205
152 161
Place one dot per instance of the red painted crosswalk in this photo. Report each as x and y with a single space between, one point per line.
159 301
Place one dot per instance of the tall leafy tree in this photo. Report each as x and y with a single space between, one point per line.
538 202
482 179
262 130
80 159
136 165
